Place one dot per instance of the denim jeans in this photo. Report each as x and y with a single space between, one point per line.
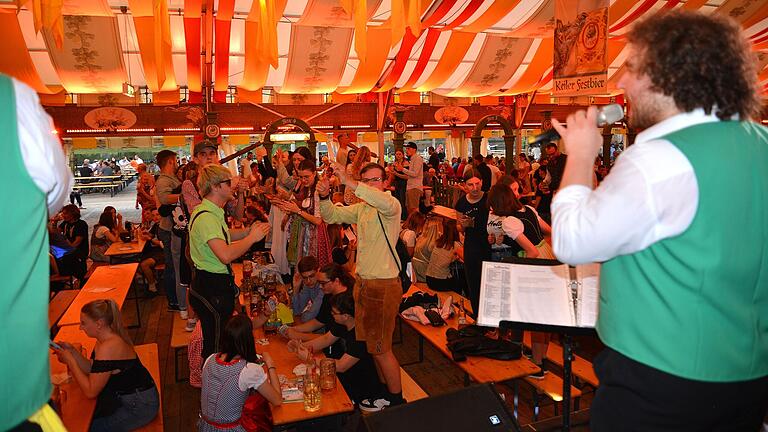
136 410
177 255
169 277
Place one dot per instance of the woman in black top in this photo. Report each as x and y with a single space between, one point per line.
76 232
126 395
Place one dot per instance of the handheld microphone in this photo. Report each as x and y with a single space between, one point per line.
606 115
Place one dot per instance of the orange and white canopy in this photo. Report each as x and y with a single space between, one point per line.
462 48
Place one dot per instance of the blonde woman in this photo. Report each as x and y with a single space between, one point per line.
126 395
422 253
213 246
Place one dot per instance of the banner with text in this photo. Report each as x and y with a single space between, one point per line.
580 63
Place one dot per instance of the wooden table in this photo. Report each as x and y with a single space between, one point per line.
480 369
125 250
118 277
77 410
444 212
334 402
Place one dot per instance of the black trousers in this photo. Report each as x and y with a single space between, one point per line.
636 397
75 195
213 298
473 269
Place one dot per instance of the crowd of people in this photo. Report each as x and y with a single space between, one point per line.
326 224
675 281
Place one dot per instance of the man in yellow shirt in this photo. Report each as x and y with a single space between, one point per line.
378 290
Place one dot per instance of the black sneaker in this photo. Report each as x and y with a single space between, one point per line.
173 308
373 405
538 375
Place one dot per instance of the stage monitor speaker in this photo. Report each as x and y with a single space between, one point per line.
478 408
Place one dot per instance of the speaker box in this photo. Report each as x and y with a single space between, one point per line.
477 408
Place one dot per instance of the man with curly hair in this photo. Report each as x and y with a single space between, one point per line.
684 280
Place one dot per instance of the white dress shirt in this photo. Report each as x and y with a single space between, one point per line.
651 194
41 149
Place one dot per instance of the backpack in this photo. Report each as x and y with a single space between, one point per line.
471 341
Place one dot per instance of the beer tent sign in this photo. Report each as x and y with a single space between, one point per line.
580 65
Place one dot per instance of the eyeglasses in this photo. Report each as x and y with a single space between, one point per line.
228 182
372 179
322 282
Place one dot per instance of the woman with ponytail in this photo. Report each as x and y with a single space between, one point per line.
126 396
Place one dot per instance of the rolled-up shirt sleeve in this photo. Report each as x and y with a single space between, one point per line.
383 201
650 194
41 149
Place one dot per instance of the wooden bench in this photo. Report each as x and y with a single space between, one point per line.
550 385
411 390
582 369
59 304
148 355
179 342
97 185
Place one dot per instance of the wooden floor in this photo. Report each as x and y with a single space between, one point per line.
436 374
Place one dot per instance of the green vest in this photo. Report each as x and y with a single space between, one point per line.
696 305
25 383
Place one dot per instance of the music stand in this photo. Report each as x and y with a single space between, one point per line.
566 332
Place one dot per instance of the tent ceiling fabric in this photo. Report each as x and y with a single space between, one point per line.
451 52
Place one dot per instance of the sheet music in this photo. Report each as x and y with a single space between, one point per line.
588 304
525 293
495 294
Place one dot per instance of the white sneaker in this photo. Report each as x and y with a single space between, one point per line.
369 405
191 323
184 314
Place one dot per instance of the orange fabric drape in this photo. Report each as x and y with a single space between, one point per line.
370 68
359 11
758 16
249 96
404 13
693 5
192 30
541 61
491 16
261 43
152 23
499 59
410 98
16 61
169 97
395 70
457 47
343 98
57 97
47 14
223 27
488 100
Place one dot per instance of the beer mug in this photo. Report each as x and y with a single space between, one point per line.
327 374
312 391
